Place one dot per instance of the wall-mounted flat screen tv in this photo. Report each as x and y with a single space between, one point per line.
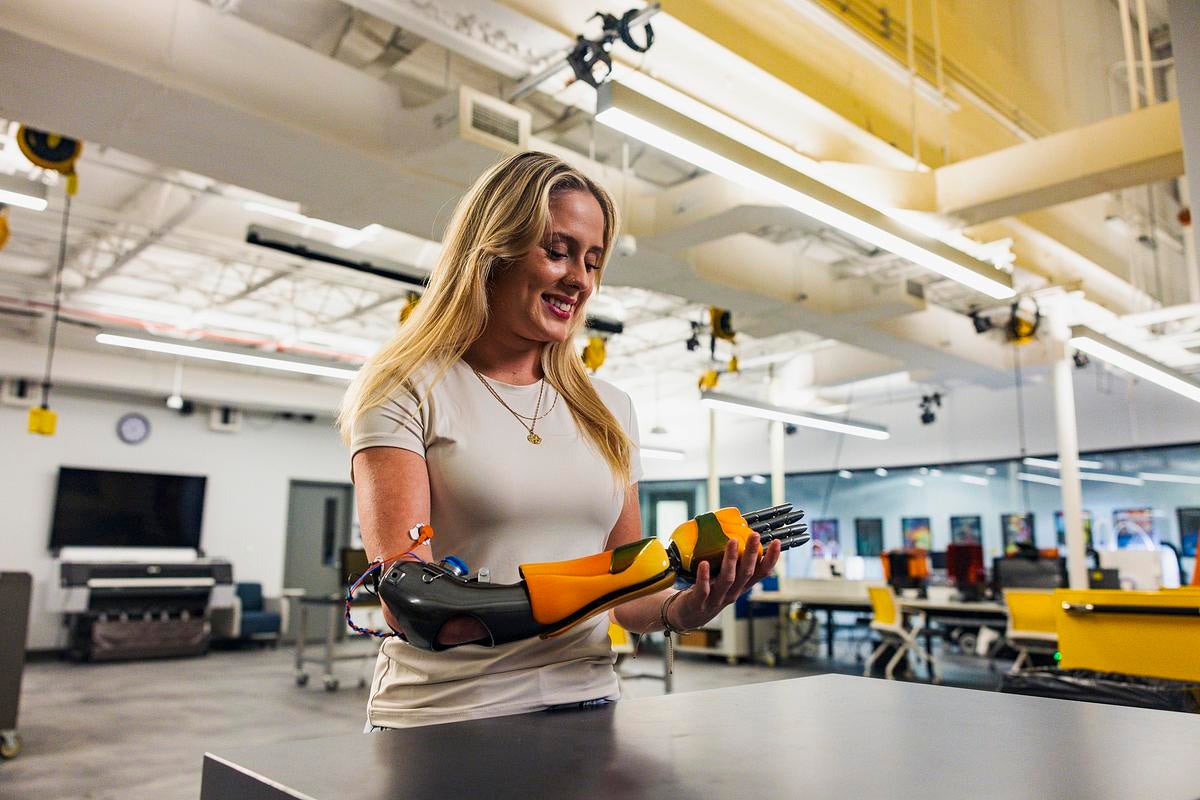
105 508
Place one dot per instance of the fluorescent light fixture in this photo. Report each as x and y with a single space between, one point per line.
1049 480
635 115
1104 477
759 479
990 471
22 192
845 473
664 453
915 482
935 473
739 479
1086 340
881 472
1167 477
347 236
755 408
1046 463
208 354
974 480
924 470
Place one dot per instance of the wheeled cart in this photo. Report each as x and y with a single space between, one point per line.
15 588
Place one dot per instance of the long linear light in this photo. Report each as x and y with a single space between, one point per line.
208 354
1049 480
22 192
754 408
1167 477
1096 345
664 453
1104 477
1047 463
635 115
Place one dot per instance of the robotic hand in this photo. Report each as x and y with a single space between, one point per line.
554 597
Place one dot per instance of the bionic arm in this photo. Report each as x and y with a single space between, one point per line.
554 597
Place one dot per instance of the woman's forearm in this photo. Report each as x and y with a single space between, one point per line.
644 615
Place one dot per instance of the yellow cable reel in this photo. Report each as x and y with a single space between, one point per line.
721 320
594 353
709 379
51 151
410 305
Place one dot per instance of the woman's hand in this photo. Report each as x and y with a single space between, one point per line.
710 594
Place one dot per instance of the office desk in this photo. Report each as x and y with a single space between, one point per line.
982 614
819 595
827 736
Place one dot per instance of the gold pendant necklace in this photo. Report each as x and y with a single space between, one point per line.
532 438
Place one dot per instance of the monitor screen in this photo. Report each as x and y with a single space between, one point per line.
104 508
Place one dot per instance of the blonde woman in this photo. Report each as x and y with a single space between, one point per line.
478 417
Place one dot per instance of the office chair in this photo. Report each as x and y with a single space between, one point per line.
889 623
1031 624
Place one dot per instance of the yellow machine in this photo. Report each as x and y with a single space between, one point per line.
1156 634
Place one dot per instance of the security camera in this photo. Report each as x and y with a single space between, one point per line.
789 428
625 246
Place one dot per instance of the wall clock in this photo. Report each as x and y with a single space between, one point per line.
133 428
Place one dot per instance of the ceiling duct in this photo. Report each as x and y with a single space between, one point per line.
466 132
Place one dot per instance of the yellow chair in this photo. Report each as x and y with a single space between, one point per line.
1155 634
621 641
1031 623
889 623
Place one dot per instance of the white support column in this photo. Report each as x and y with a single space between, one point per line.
714 480
777 474
1068 459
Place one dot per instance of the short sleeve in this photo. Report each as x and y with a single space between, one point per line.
399 422
635 438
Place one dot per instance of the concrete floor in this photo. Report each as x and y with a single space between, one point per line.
140 729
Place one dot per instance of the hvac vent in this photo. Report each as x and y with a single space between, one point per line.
18 392
492 121
489 121
225 419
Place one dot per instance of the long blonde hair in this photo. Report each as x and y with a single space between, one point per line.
501 218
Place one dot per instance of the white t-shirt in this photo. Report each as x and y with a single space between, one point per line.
498 501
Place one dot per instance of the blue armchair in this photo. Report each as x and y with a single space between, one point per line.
255 617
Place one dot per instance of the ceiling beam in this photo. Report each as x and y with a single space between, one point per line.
1131 149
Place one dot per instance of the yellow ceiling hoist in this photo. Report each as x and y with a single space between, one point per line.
59 153
721 327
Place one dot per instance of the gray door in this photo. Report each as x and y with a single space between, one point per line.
318 527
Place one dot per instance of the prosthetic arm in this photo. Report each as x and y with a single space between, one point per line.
554 597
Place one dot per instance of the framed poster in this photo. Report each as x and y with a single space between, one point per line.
916 533
966 530
825 540
1189 530
1134 527
1060 529
868 536
1016 529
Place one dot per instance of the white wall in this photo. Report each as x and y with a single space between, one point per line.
245 511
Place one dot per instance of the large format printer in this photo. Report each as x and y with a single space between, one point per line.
139 603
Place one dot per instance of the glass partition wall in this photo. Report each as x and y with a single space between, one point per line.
1131 498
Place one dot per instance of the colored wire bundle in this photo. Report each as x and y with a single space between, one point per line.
375 567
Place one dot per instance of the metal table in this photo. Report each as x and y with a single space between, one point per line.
828 736
335 623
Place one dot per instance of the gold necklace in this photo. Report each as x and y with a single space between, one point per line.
532 438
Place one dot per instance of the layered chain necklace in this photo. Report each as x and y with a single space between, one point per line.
528 423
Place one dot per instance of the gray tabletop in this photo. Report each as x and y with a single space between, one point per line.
823 736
